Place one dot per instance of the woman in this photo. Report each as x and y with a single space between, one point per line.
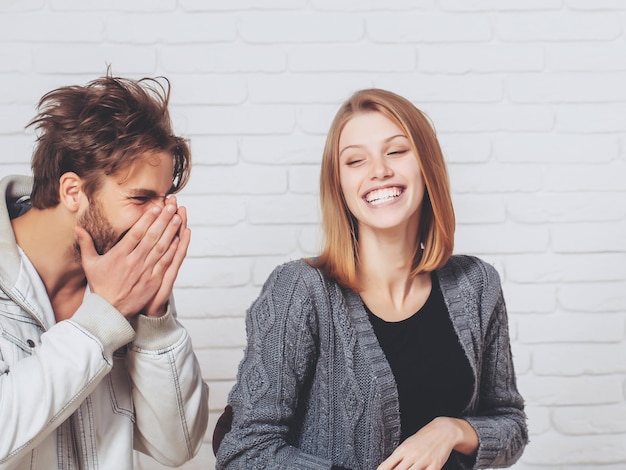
385 352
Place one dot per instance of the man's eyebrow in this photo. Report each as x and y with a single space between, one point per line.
147 193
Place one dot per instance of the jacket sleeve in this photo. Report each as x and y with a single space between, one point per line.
169 395
39 392
279 358
499 420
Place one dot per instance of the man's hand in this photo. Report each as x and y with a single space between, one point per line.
138 273
157 306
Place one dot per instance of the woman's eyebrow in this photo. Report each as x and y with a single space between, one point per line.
387 140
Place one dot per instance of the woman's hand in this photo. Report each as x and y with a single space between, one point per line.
430 447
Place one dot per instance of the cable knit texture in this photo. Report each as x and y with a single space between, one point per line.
315 389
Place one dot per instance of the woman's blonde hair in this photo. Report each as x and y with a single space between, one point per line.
339 256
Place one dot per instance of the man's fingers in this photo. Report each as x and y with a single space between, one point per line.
85 242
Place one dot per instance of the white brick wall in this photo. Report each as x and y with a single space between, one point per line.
529 99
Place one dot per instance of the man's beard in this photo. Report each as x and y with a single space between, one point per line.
96 224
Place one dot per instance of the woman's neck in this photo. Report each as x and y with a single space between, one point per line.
384 274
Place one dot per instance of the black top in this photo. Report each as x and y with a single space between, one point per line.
432 373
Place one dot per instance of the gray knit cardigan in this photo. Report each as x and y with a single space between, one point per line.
314 388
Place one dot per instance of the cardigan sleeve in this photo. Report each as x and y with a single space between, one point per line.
499 419
280 356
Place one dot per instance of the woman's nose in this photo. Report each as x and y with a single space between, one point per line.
380 168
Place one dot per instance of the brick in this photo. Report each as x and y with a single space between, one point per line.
586 177
214 272
565 451
218 397
530 298
283 209
479 117
13 118
479 209
496 238
304 179
263 267
23 5
527 148
590 118
522 355
223 362
586 297
565 391
14 169
237 180
592 87
465 148
351 58
283 150
594 237
595 5
244 241
371 5
540 26
125 60
539 420
556 208
557 268
590 420
27 90
51 28
170 29
428 27
15 58
570 328
237 120
229 332
578 360
214 302
586 57
279 27
480 58
241 5
309 241
113 5
498 5
494 178
316 119
315 88
444 88
213 150
222 58
214 210
208 90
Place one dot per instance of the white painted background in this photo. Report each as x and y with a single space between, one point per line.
529 100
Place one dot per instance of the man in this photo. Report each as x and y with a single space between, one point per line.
92 360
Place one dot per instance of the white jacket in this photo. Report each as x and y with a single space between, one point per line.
82 393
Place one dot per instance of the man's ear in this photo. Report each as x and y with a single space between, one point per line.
71 193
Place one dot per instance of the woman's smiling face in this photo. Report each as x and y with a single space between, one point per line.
379 173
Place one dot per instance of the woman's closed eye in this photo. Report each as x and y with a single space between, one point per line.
398 152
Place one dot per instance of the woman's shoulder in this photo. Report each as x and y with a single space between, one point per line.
294 270
471 269
471 266
297 274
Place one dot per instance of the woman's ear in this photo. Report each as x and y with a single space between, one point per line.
71 193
